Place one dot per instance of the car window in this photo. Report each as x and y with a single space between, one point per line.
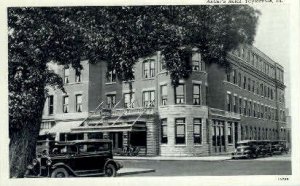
96 147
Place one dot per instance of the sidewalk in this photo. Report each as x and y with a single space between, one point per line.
128 171
163 158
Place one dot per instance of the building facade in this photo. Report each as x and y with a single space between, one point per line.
205 114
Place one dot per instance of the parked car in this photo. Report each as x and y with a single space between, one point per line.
245 149
75 158
264 148
279 147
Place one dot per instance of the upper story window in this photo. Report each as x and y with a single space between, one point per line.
240 80
129 100
249 84
234 77
180 94
78 103
148 99
229 100
78 76
110 100
180 131
164 94
197 131
245 82
65 104
164 131
66 75
149 68
196 65
235 102
111 76
228 77
50 105
240 105
196 94
162 64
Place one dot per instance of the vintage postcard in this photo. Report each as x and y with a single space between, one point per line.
184 93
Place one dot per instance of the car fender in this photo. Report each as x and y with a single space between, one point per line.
62 165
115 163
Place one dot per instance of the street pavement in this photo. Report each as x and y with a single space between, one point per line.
275 165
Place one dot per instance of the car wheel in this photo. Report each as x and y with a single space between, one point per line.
59 173
110 170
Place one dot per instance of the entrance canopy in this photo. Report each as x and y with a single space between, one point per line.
118 127
64 127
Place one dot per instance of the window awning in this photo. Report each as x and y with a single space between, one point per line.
64 127
119 127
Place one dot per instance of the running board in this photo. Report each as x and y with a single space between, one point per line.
90 175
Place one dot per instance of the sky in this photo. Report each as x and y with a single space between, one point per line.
273 38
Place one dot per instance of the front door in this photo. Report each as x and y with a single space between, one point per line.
117 139
218 136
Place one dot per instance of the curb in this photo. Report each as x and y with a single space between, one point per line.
172 158
135 172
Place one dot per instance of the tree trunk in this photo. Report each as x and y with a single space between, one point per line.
22 146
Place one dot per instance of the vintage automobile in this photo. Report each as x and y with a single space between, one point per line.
245 149
75 158
252 149
279 147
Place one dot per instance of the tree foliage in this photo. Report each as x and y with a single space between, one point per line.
117 35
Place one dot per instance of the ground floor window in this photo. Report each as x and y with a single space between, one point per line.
138 138
197 131
164 131
180 131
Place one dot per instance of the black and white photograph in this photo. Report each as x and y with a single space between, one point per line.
151 92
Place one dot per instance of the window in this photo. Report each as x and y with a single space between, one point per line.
196 65
229 133
249 108
228 77
261 89
245 82
196 94
78 76
164 131
240 105
149 68
245 107
180 131
164 94
197 131
50 105
179 94
111 76
235 102
162 64
234 77
148 99
253 86
249 84
129 100
65 104
66 75
110 100
240 80
254 109
229 99
79 103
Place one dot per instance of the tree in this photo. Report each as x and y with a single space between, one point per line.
117 35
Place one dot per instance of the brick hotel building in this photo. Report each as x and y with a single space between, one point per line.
205 115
